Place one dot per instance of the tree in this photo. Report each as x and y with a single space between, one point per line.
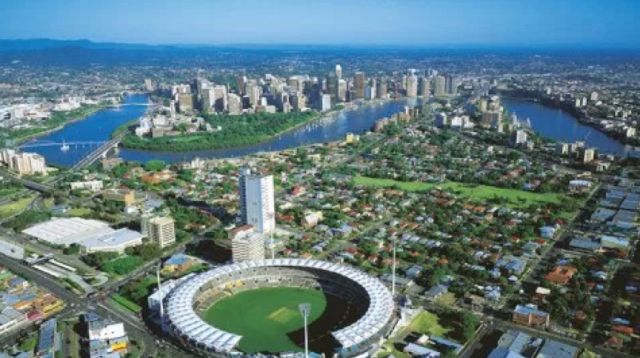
155 165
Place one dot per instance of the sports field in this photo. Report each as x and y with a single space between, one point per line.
513 197
264 316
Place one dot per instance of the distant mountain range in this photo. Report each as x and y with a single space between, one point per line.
41 44
82 53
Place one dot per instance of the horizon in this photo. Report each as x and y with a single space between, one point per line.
355 46
387 23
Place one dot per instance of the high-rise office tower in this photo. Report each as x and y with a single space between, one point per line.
241 82
451 84
439 88
342 90
381 90
338 71
257 204
359 84
234 104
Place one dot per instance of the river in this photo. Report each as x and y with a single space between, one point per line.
95 128
548 122
561 126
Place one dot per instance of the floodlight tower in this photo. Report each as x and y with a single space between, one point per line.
161 294
393 270
305 310
272 244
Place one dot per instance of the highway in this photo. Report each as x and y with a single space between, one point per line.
43 188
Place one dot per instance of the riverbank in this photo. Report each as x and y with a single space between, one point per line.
580 116
237 131
56 122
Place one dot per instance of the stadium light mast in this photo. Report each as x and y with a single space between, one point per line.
393 270
160 292
305 309
273 246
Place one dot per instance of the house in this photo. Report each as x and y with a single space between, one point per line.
555 349
177 263
561 274
436 291
530 315
416 350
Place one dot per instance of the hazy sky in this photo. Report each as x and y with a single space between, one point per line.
590 23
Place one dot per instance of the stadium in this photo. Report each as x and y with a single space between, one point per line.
250 308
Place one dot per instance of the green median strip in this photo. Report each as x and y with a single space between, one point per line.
126 303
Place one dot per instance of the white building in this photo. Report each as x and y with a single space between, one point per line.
259 203
24 163
325 104
247 245
160 230
91 185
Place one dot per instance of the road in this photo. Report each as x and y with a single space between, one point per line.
76 304
43 188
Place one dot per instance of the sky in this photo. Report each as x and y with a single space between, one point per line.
520 23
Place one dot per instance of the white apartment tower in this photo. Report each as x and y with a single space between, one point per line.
247 246
257 205
160 230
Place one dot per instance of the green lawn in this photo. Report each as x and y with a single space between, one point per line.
15 206
126 303
514 197
264 316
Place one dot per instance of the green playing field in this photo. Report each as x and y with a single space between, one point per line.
264 316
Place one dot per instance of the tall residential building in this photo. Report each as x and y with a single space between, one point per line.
234 104
185 102
451 84
423 87
412 86
220 99
342 90
260 203
253 91
325 103
241 82
242 189
28 163
381 90
246 244
207 100
439 86
359 84
160 229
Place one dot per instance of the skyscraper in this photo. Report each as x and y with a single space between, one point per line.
451 84
339 71
423 87
257 205
412 85
381 90
439 88
359 84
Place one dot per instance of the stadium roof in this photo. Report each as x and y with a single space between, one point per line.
116 240
187 322
67 231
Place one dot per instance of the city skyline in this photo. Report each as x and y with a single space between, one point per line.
412 23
